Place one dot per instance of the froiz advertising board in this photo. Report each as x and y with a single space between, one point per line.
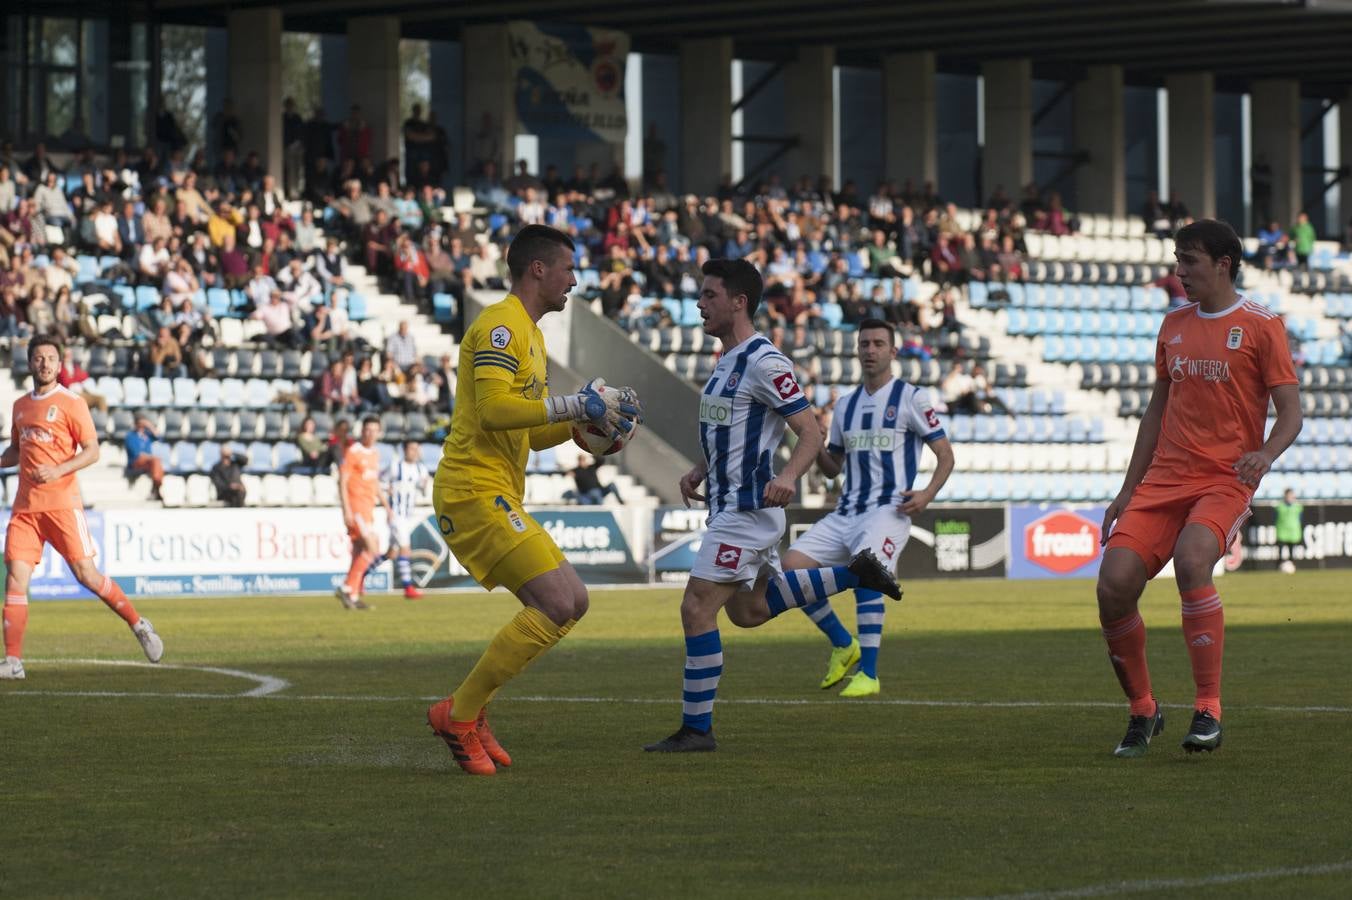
1054 541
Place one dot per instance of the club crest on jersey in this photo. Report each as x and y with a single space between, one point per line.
785 384
732 381
890 415
500 337
728 556
1235 338
51 413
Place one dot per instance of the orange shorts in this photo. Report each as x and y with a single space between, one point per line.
65 529
1157 514
361 527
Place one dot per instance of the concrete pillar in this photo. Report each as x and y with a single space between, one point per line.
446 65
1345 162
1192 141
332 78
1007 158
373 80
490 99
256 82
810 113
706 113
910 122
1276 144
1101 183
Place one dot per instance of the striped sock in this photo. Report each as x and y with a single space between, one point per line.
376 563
825 617
1204 630
16 620
869 610
703 668
802 587
405 571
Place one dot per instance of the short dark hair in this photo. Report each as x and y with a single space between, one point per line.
1216 239
873 322
44 340
370 420
534 242
739 277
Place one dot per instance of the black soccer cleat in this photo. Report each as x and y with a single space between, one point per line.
1140 729
1204 735
685 740
872 575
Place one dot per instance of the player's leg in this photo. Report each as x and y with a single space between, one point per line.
112 595
402 550
778 592
350 591
553 598
15 614
884 532
1214 521
703 665
844 647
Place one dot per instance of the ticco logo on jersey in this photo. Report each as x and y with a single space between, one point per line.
728 556
1061 542
1183 367
785 384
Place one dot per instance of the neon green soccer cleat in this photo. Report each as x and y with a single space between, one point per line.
862 685
842 660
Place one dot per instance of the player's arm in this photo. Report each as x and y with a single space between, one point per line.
542 437
783 486
916 501
499 410
1252 466
831 458
691 481
10 458
1147 436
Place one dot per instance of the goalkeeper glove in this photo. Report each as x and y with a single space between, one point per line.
615 408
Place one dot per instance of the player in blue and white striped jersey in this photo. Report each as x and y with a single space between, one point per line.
406 483
876 433
744 408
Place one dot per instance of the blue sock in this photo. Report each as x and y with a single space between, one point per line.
703 668
405 571
870 610
825 617
803 587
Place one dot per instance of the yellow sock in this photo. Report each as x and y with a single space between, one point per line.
528 635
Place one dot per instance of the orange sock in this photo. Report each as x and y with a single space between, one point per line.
1126 650
357 574
1204 630
16 620
117 601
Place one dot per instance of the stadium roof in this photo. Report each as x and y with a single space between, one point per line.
1238 40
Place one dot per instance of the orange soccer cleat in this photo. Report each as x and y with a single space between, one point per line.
490 744
411 592
461 737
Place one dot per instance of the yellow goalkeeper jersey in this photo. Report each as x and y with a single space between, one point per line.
503 344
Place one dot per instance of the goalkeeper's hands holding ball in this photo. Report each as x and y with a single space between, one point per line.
615 408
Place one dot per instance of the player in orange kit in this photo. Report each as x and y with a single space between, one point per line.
48 425
358 491
1198 458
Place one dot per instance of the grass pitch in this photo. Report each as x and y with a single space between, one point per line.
983 770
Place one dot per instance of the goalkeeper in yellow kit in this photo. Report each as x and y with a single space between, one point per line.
503 410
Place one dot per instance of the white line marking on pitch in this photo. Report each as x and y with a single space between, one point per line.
1151 885
269 688
267 684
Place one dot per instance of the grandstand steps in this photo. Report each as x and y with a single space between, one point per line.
390 310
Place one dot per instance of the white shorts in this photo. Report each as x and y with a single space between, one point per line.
739 546
401 531
837 537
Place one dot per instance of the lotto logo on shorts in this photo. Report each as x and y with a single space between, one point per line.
889 547
728 556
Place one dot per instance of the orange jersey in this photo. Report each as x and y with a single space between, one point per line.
49 429
361 473
1221 368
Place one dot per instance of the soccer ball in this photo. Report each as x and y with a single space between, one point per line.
596 440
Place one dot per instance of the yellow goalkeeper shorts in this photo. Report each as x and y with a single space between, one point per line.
495 539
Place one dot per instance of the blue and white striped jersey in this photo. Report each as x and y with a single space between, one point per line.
405 481
880 437
741 422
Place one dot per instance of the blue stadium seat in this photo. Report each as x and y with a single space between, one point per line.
356 307
260 458
443 307
184 457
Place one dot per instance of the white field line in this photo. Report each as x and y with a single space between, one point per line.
1151 885
270 687
267 684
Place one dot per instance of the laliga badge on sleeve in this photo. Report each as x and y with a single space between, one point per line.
1235 339
500 337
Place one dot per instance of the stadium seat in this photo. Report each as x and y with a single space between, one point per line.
173 491
259 458
253 489
299 490
276 490
185 392
160 392
208 455
326 490
134 391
